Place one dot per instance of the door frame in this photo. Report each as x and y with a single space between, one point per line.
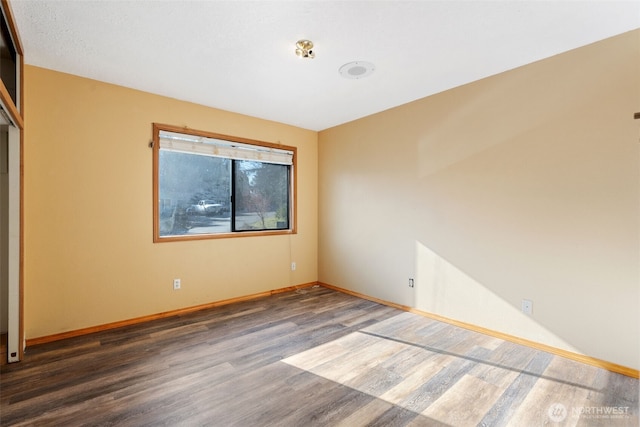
14 254
13 112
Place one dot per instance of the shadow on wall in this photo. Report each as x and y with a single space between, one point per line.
523 185
509 106
527 187
444 289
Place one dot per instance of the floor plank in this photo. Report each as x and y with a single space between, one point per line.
315 357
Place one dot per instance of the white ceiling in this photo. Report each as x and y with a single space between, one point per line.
239 55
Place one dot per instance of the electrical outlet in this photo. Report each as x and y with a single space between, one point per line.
176 284
293 266
527 307
411 282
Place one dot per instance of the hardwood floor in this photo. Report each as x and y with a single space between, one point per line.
315 357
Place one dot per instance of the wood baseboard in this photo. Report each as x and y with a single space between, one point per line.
180 311
613 367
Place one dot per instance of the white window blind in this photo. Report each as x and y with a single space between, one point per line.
190 144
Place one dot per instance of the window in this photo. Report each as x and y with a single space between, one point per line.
208 185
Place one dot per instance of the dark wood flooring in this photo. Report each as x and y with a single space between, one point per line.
314 357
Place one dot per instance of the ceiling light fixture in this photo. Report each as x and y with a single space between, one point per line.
304 49
356 69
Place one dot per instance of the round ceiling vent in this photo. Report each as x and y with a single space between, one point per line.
357 69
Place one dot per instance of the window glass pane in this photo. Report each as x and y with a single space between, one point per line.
194 193
261 196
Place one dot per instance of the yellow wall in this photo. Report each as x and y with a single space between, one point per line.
89 256
522 185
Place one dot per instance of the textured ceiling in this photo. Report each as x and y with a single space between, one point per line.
239 55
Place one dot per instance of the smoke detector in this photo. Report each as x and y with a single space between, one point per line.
357 70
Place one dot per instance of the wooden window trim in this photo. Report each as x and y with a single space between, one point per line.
157 127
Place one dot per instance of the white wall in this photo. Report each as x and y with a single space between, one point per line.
522 185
